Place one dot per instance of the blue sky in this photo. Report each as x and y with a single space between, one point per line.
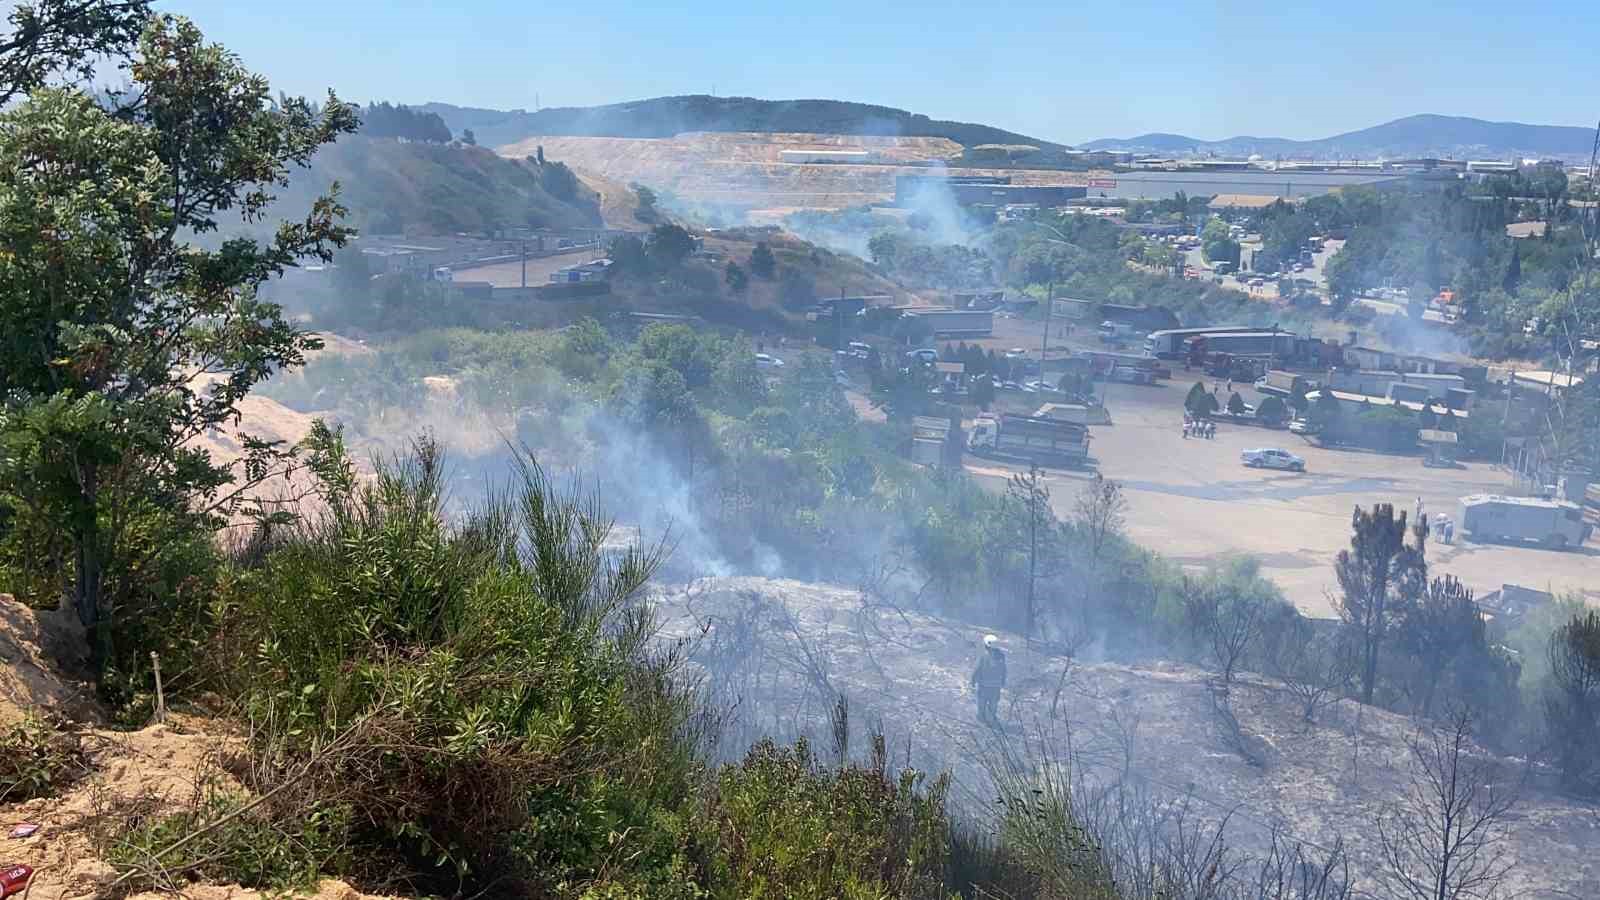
1059 71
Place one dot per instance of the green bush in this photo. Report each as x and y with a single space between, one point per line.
221 838
498 711
37 759
791 828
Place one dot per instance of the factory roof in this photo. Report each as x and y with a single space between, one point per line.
1244 201
1547 379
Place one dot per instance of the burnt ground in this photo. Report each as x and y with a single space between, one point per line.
777 649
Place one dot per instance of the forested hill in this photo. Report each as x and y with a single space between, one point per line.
666 116
1422 135
390 185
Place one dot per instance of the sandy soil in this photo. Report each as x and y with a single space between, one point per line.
1192 501
153 768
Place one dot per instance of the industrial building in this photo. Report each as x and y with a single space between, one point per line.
1289 185
973 190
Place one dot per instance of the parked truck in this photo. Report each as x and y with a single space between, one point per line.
1556 524
1284 384
955 322
1030 439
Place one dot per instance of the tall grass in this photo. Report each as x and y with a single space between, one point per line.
483 705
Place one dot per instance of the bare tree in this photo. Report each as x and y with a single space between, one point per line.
1227 624
1033 497
1445 839
1289 871
1098 515
1316 669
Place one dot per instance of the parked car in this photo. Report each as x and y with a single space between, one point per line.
1302 426
1272 458
768 361
927 356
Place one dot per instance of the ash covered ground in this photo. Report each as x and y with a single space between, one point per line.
779 652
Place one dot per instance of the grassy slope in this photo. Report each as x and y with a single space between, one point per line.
666 116
435 188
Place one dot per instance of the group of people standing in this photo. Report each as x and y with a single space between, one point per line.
1193 427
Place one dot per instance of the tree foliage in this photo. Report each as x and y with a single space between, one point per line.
387 120
1380 578
125 340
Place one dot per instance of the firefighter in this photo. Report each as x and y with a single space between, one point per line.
989 678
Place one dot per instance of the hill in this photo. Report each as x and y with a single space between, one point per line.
663 117
390 186
1420 135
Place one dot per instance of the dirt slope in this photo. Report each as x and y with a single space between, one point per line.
148 770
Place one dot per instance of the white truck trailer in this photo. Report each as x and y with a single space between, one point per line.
955 322
1048 442
1556 524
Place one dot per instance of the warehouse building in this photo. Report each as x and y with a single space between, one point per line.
1289 185
978 190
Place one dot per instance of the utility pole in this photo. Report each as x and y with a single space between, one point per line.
524 265
1044 339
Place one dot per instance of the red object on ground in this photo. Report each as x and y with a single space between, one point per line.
14 879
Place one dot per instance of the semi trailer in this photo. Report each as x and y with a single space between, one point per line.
1035 439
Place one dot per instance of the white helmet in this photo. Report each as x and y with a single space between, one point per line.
990 641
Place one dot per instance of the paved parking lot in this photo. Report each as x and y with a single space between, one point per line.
1193 501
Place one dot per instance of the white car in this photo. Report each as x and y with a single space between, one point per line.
768 361
1272 458
926 356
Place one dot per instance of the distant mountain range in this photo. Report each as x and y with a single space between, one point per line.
667 116
1456 137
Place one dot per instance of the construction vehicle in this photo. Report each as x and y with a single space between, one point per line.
1033 439
1556 524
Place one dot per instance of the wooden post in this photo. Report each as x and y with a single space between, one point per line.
161 698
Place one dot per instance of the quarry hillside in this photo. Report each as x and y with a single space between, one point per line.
747 170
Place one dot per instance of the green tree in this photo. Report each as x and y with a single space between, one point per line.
668 246
737 280
628 256
1235 404
1513 276
1200 402
1572 704
65 41
1324 414
124 340
1380 577
468 138
1272 410
983 391
646 211
762 263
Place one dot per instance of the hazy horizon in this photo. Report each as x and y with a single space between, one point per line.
1058 75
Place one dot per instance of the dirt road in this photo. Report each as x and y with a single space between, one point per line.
509 274
1194 502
